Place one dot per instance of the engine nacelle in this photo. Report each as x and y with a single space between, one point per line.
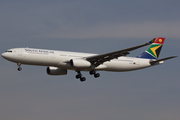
56 71
80 63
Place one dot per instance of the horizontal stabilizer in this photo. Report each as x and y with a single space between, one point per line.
160 60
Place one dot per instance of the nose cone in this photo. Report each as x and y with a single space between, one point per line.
3 55
7 56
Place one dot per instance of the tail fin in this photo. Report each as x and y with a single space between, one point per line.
154 50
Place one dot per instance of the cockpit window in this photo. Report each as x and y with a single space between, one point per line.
9 51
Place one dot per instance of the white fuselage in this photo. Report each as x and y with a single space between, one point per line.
42 57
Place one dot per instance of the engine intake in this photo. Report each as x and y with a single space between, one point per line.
56 71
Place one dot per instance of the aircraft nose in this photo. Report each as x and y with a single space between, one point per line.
4 55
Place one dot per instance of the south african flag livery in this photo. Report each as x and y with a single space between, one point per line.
154 50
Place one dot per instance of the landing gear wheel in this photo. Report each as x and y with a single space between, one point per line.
78 76
96 75
92 72
82 79
19 69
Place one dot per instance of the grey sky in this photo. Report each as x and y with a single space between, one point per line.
96 27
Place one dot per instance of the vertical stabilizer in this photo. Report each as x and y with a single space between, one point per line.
154 50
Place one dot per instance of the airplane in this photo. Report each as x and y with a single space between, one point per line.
58 62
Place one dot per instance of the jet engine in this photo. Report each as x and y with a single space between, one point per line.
80 63
56 71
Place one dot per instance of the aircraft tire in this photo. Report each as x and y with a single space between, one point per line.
19 69
78 76
82 79
92 72
96 75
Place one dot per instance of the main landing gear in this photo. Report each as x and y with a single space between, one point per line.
79 76
19 67
82 79
93 72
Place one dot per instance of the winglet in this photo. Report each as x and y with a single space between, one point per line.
152 41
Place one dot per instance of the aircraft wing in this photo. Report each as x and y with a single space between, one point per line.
100 59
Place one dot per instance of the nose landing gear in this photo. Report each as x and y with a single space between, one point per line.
19 67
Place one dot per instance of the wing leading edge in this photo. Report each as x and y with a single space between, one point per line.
100 59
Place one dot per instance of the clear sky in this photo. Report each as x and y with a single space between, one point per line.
95 27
